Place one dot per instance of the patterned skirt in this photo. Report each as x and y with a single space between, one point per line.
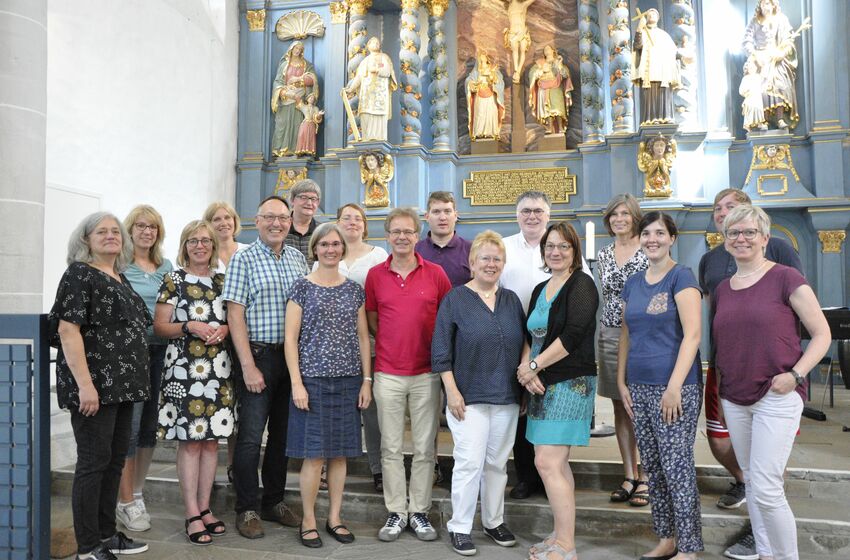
561 415
331 426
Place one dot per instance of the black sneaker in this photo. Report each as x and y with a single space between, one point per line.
122 544
462 544
438 474
420 525
501 534
101 552
734 497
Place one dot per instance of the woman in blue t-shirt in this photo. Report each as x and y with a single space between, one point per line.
660 383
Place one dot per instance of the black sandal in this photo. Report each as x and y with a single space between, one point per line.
212 528
310 543
640 498
344 538
195 538
621 495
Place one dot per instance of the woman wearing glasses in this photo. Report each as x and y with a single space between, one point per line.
763 379
145 273
327 354
196 408
559 373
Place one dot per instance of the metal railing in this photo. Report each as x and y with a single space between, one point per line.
24 437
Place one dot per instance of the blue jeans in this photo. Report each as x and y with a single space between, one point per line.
146 414
255 410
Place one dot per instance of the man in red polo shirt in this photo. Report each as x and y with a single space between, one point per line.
402 298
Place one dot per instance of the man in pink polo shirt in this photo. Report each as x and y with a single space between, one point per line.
402 298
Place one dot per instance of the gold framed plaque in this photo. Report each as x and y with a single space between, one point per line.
502 187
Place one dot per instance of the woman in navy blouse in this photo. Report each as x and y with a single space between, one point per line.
477 345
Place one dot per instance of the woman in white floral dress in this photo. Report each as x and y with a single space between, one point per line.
196 404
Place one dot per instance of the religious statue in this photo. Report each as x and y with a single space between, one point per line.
376 172
286 177
294 81
656 70
769 43
655 159
373 83
485 98
517 38
309 127
549 91
750 89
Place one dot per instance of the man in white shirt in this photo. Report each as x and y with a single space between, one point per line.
523 271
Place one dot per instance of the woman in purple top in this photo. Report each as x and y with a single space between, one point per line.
658 373
760 383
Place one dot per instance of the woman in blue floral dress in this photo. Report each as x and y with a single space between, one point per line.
196 406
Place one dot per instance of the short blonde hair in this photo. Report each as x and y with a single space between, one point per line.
192 227
219 205
323 231
486 237
747 212
79 249
740 196
149 212
403 212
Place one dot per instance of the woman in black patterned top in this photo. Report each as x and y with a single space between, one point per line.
617 262
101 370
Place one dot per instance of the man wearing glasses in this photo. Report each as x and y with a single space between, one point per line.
402 297
256 288
304 198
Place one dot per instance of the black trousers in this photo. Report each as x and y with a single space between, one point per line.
102 442
524 457
255 411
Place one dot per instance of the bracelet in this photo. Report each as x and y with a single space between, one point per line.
369 379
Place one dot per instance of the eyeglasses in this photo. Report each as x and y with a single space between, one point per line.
400 232
140 227
749 234
564 247
204 242
526 212
308 198
272 218
487 259
349 219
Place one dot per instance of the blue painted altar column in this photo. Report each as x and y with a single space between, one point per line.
620 67
832 280
410 63
683 32
439 71
590 57
335 79
357 38
829 76
254 95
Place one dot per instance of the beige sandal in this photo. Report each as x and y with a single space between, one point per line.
557 549
542 545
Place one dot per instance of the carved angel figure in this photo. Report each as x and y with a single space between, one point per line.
376 172
485 98
655 159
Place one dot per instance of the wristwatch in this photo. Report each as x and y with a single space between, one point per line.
797 377
532 365
185 328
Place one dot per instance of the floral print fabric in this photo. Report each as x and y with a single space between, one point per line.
197 391
613 279
112 319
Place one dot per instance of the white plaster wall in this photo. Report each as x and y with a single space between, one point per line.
141 108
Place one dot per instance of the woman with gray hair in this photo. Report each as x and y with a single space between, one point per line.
101 370
763 378
327 353
617 262
304 198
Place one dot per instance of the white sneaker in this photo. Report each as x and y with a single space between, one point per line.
393 527
140 502
131 517
422 527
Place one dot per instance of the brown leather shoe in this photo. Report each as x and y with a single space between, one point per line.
281 514
249 525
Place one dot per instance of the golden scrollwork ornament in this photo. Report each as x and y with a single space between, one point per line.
713 239
655 159
256 20
376 172
286 177
831 240
339 12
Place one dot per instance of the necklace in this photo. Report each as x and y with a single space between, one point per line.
756 269
483 293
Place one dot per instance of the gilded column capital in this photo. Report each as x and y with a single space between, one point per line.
437 8
713 239
831 240
339 12
359 7
410 4
256 20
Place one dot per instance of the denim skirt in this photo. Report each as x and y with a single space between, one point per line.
331 426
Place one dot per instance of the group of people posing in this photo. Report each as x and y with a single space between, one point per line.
316 337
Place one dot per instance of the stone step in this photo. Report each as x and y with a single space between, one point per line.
827 485
823 526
